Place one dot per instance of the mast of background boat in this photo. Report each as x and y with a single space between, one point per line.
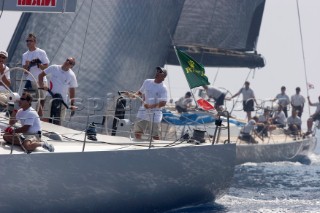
303 57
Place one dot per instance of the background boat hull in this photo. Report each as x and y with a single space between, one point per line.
272 152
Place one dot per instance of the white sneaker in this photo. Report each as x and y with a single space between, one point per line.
47 146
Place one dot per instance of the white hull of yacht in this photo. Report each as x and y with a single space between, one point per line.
291 150
113 177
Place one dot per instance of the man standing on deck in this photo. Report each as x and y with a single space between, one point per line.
247 97
297 102
28 135
154 96
283 100
35 60
216 95
63 81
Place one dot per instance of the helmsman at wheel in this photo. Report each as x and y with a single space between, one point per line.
63 81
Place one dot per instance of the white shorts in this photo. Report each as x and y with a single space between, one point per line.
143 126
4 98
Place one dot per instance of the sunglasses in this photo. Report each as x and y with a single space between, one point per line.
23 99
29 41
70 62
160 71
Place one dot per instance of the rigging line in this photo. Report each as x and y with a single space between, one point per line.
170 93
85 36
2 7
66 34
216 75
169 86
173 44
303 55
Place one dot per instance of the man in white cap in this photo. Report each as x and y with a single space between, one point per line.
5 78
155 96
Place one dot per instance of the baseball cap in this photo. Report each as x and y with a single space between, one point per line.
162 70
4 53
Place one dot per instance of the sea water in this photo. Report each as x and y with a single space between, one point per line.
270 187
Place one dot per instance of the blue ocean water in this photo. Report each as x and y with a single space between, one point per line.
270 187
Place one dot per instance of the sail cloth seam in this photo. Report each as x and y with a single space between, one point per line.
69 29
85 36
303 55
212 15
64 6
209 28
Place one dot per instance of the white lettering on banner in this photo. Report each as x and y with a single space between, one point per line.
37 3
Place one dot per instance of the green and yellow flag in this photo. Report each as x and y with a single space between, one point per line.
193 71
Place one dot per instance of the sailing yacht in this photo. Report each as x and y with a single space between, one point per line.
116 45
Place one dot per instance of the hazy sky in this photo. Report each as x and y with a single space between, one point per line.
279 43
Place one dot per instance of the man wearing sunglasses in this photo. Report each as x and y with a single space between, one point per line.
5 79
28 135
154 96
35 60
63 81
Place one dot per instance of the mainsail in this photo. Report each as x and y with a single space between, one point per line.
118 43
220 33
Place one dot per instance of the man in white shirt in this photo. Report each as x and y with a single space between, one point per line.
297 102
28 135
184 103
264 123
283 100
249 129
154 95
35 60
294 123
63 81
216 95
279 118
5 81
314 117
248 99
